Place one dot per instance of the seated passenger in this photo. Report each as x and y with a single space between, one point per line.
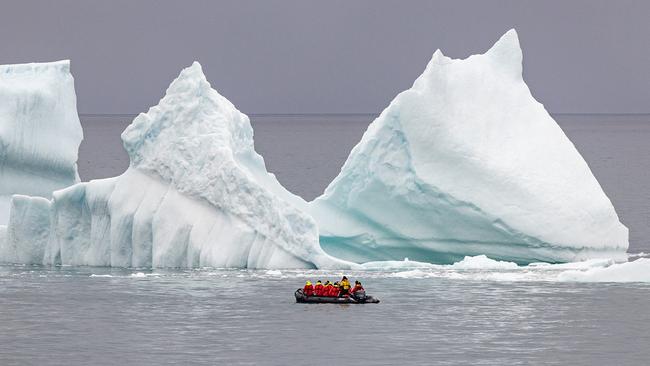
308 290
327 288
358 291
357 287
318 288
335 291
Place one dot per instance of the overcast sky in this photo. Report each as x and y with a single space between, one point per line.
329 56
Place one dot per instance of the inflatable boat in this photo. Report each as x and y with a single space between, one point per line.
361 299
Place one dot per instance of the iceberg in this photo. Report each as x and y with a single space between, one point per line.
40 131
464 163
196 194
464 167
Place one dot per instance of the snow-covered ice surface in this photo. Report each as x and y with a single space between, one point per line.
467 162
40 131
195 194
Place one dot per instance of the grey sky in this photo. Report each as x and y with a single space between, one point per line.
329 56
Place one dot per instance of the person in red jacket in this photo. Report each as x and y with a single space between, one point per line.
318 288
357 287
308 290
327 288
335 290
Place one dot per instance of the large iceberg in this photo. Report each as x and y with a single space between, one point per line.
195 194
467 162
40 131
464 163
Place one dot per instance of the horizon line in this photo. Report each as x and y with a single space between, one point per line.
357 114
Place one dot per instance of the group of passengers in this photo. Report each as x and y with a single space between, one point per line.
336 289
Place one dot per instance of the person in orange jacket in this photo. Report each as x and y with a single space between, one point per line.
318 288
308 290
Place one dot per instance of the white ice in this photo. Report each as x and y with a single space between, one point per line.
482 268
40 131
467 162
635 271
195 194
465 168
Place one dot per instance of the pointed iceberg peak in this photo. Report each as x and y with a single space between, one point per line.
190 110
438 58
190 78
437 61
194 70
507 52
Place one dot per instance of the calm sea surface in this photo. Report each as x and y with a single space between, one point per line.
100 316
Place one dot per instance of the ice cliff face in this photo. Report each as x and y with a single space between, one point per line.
467 162
40 131
196 194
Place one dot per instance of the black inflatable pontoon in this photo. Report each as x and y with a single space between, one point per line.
301 298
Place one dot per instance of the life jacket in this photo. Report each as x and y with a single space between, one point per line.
334 291
318 289
326 290
356 288
345 285
308 290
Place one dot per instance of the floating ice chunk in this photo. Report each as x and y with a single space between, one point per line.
587 264
482 262
395 265
40 131
635 271
414 273
467 162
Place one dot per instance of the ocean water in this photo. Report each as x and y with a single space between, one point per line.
443 315
99 316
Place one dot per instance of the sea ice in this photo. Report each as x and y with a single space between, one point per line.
635 271
467 162
40 131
